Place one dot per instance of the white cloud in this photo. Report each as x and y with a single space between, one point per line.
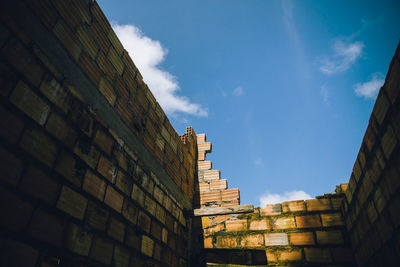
345 54
269 198
370 88
148 54
238 91
325 95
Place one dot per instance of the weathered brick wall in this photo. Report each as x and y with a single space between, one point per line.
92 172
372 207
291 233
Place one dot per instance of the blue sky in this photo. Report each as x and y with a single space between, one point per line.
283 89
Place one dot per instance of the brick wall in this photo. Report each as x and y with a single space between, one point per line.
92 172
295 232
372 207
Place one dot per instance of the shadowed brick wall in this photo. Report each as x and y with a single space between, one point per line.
372 207
92 172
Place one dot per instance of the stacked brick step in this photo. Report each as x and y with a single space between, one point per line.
212 191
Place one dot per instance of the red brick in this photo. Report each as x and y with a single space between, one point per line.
319 255
94 185
30 103
67 39
79 240
305 238
22 60
116 229
318 204
47 228
10 167
271 256
11 125
39 185
293 206
36 143
329 237
218 185
230 194
207 243
331 219
59 128
290 255
259 225
271 209
113 199
9 204
72 203
102 250
276 239
308 221
236 225
96 216
252 241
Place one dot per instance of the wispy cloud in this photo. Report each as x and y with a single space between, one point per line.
370 88
258 162
238 91
148 54
269 198
345 54
325 95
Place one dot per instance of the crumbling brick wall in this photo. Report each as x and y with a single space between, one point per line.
92 172
372 207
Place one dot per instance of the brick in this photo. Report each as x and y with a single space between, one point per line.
121 257
39 185
100 17
47 228
237 225
79 240
230 194
113 199
22 60
70 168
156 229
87 40
226 242
252 241
147 246
205 222
283 223
150 205
271 257
210 197
318 204
96 216
293 206
220 218
209 175
11 125
36 143
107 91
72 203
319 255
132 239
100 36
94 185
10 167
259 225
55 93
138 195
305 238
207 242
67 39
214 229
160 214
17 254
203 187
115 60
82 118
90 68
389 142
105 65
308 221
104 141
342 254
59 128
115 42
87 152
290 255
144 222
124 183
107 169
218 185
116 229
148 183
336 203
204 147
271 209
201 155
130 212
331 219
164 235
9 204
329 237
276 239
30 103
158 194
45 11
102 250
381 107
204 165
